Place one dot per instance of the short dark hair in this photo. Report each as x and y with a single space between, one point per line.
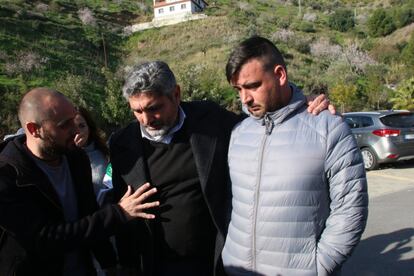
255 47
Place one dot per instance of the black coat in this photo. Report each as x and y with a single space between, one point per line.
209 128
33 233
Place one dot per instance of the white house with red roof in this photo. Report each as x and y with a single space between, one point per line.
166 9
169 12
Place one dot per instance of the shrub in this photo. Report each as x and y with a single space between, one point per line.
25 63
301 45
386 53
197 81
306 27
115 109
408 54
380 23
87 17
372 85
283 35
341 20
403 16
322 48
344 96
404 95
75 87
310 17
357 58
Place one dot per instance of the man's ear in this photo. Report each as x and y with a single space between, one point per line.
177 93
33 129
281 75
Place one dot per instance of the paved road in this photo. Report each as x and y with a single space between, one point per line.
387 245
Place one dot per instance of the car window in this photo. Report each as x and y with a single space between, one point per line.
359 121
352 122
399 120
366 121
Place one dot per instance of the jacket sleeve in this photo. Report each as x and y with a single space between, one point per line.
39 233
105 254
130 237
227 119
345 175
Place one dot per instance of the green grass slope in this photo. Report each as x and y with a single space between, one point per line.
78 47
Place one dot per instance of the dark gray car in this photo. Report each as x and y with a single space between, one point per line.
383 136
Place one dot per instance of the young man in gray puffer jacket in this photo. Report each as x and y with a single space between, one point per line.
300 200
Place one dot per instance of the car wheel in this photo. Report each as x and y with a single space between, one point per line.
370 159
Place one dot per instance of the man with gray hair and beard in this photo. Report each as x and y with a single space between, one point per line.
181 149
49 222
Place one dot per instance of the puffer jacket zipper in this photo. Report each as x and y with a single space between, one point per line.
269 125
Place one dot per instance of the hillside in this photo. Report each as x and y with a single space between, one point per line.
354 50
69 45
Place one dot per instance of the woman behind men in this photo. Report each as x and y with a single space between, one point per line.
91 139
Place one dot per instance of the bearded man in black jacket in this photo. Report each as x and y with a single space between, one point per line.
49 222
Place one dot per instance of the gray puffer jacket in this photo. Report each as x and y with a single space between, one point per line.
300 200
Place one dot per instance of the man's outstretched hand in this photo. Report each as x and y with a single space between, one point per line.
133 203
317 104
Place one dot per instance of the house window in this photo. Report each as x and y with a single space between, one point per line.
172 8
161 11
183 6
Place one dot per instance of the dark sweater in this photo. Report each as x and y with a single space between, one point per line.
183 227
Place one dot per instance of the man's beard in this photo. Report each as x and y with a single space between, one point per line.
245 109
158 134
53 150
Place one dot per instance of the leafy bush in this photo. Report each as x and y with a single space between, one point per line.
74 87
408 54
324 49
8 117
344 96
243 16
384 52
372 85
115 109
341 20
198 82
310 17
306 27
403 16
283 35
357 58
301 45
380 23
404 95
283 23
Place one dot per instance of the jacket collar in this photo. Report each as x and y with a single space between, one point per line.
270 119
203 143
129 150
27 172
